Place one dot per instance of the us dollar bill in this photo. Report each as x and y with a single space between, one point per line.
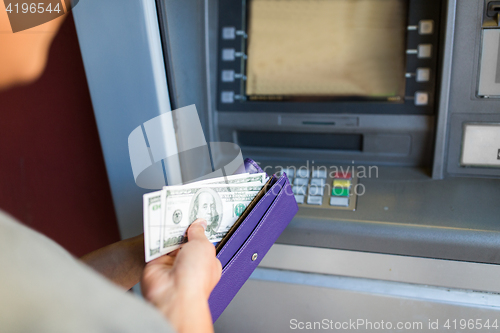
152 224
219 205
233 179
152 210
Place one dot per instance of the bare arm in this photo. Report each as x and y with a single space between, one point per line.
121 262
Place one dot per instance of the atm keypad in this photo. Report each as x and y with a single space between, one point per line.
317 188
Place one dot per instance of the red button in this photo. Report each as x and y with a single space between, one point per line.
342 175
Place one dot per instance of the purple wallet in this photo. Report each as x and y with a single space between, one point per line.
251 237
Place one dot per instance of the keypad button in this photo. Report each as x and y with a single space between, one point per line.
312 200
300 181
227 97
318 182
303 173
340 191
300 190
423 74
426 27
341 183
299 198
339 201
342 175
227 76
228 33
228 54
421 98
319 173
424 50
316 190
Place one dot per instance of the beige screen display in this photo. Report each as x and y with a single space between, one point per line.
326 48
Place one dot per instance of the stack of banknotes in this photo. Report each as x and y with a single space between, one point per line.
220 201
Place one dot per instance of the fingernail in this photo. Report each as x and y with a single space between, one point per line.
201 222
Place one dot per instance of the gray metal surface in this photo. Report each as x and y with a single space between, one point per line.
275 301
438 169
464 105
404 211
123 61
414 270
182 27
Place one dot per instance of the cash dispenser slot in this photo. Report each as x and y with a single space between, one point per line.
327 141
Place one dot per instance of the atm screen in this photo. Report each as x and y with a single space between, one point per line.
325 49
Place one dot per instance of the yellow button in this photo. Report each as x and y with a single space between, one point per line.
341 183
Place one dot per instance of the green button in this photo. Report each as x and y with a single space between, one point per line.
340 191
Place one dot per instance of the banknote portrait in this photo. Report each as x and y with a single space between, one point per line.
206 204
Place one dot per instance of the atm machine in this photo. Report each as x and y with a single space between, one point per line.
385 114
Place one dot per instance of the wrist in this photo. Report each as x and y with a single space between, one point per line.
187 312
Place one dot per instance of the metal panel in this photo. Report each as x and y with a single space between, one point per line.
465 106
123 60
276 301
489 84
424 271
443 108
305 284
403 211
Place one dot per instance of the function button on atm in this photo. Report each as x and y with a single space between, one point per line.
426 27
227 97
299 198
423 74
340 191
299 190
342 183
227 76
228 33
319 173
424 50
339 201
300 181
303 173
421 98
342 175
228 54
318 182
312 200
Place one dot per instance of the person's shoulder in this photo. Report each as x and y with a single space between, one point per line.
20 238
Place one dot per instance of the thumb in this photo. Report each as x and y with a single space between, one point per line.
196 230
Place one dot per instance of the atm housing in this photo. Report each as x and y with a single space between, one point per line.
435 197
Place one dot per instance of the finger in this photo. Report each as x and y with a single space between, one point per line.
196 230
163 260
173 253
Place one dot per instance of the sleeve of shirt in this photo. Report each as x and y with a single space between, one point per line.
45 289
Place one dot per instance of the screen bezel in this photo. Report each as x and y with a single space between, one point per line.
234 13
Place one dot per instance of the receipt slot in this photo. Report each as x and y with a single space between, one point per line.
489 73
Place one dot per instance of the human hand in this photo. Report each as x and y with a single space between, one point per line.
180 283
